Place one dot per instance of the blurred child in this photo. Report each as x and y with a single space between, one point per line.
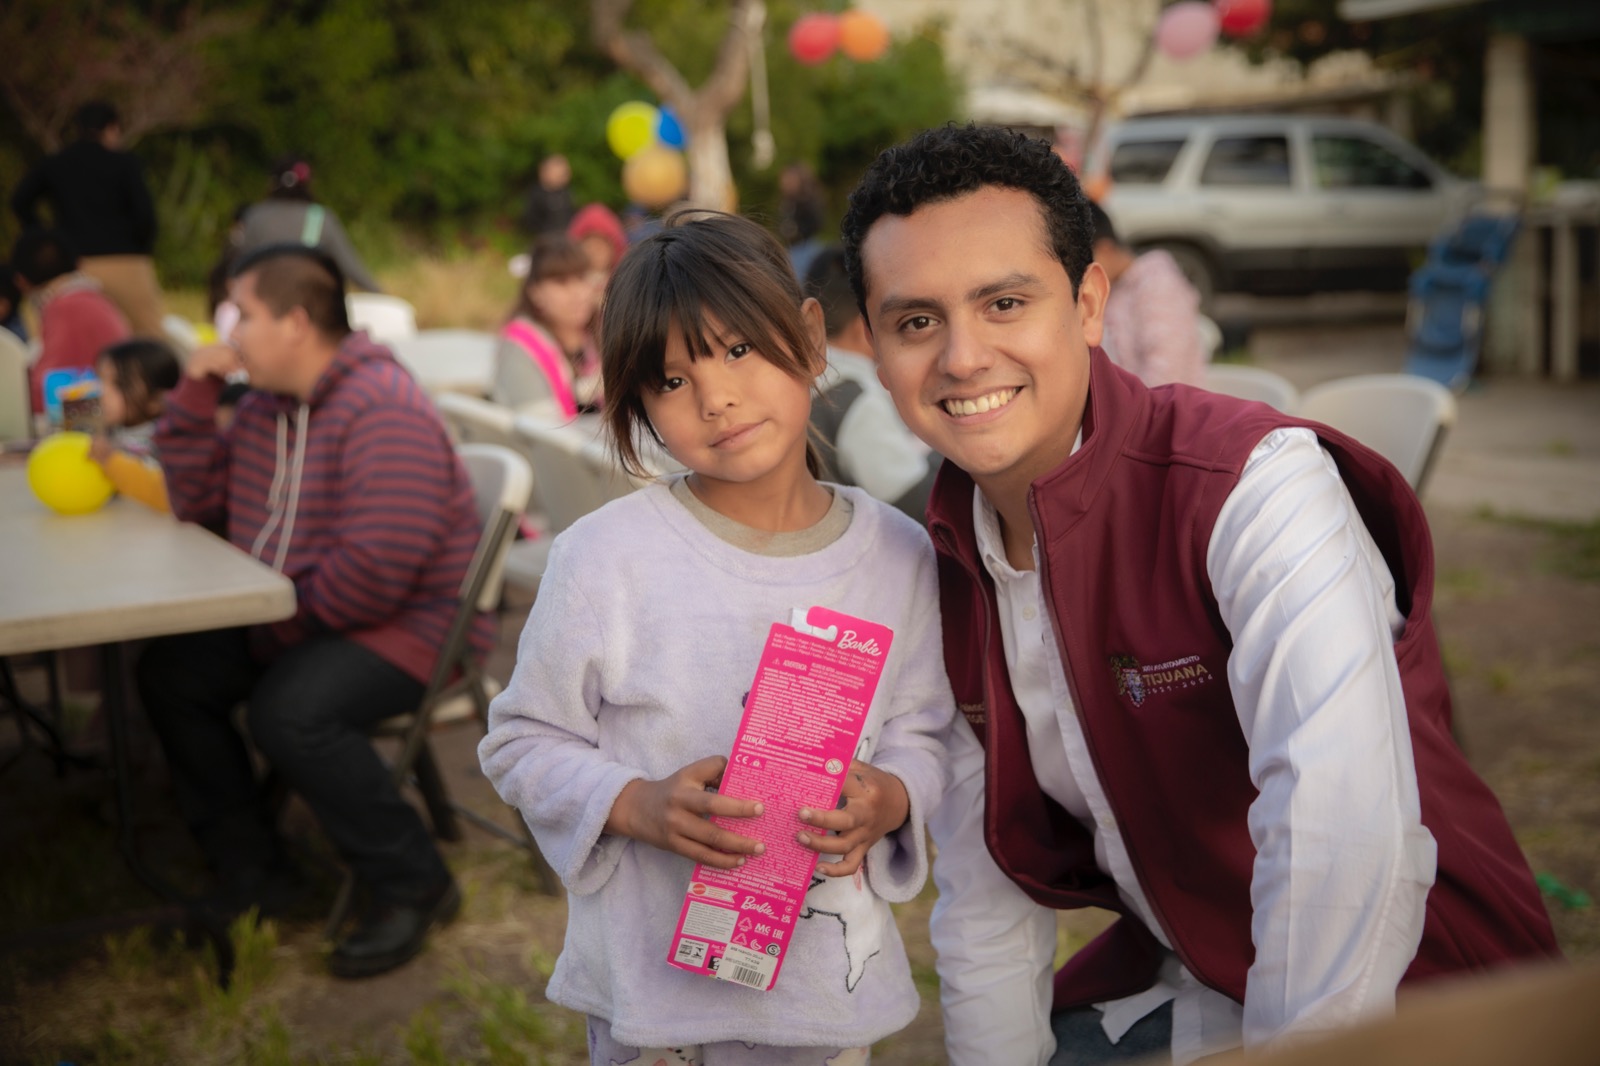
628 690
135 377
11 303
547 361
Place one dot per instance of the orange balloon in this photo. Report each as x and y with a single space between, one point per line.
656 176
862 35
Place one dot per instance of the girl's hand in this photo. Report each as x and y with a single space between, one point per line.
873 803
672 814
101 448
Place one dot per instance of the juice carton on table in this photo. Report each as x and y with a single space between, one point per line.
802 721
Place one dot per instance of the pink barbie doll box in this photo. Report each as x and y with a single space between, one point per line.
802 721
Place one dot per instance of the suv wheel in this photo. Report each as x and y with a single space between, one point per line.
1196 266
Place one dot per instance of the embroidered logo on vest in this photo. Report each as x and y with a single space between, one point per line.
1139 682
1125 668
976 713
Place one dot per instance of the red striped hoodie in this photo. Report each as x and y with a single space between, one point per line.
356 495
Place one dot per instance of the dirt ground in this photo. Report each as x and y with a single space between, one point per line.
1516 610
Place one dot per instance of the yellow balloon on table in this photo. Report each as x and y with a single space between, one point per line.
632 128
64 478
655 177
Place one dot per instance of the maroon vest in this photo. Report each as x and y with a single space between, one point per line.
1122 527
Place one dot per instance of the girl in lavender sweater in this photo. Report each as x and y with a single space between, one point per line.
644 640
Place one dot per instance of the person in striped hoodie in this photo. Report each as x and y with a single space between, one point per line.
337 472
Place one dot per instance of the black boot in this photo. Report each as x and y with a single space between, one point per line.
389 934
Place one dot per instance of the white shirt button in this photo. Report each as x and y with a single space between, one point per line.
1107 822
1029 613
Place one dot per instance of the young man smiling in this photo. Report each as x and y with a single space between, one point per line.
1192 639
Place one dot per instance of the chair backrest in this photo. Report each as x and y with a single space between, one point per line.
502 483
1402 417
574 472
475 421
16 406
385 318
1252 383
449 360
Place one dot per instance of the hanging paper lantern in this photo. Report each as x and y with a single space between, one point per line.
1187 29
1240 18
813 38
656 176
862 35
631 127
669 131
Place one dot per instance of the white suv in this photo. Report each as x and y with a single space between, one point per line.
1277 203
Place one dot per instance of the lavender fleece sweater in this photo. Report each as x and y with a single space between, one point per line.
634 662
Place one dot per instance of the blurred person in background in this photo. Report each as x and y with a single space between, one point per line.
11 303
291 215
77 320
549 204
1152 317
135 377
865 443
337 472
547 363
800 214
98 198
599 232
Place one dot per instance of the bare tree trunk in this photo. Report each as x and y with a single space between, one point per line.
703 111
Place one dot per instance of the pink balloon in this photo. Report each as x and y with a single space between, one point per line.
1187 29
1240 18
813 38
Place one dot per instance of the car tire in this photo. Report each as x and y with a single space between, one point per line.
1196 266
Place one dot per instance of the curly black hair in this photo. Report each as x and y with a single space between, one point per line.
952 161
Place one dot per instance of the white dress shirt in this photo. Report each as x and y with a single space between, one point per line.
1343 862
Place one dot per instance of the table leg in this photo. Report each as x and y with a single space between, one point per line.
114 684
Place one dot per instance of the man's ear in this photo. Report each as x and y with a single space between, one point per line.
817 333
1092 293
300 321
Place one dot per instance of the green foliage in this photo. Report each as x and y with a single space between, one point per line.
425 121
839 115
424 1041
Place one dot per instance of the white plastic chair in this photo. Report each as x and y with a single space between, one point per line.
16 406
1252 383
449 360
472 420
1402 417
575 474
501 482
385 318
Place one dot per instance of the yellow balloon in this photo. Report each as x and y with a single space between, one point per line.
655 177
63 476
632 128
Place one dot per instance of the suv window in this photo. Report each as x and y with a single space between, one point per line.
1247 161
1357 163
1143 162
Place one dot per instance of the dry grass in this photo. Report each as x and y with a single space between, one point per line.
467 290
